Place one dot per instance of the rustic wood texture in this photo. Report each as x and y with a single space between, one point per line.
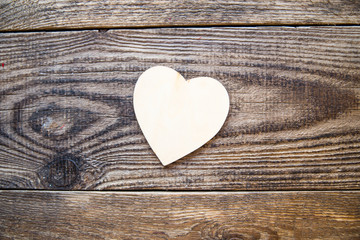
67 120
18 15
116 215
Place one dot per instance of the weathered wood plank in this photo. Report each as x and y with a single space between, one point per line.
156 215
18 15
67 121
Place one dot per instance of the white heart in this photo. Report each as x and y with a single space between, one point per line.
178 116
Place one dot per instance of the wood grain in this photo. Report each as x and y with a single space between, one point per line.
156 215
67 120
19 15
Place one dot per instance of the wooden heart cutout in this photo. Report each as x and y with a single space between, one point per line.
178 116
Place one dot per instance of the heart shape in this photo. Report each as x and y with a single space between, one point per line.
178 116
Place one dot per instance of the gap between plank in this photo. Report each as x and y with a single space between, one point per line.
182 191
185 26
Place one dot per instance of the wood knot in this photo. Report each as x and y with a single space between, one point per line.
216 230
57 123
62 172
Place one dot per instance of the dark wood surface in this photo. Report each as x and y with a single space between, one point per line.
156 215
294 121
19 15
67 121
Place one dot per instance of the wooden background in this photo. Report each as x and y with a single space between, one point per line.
75 165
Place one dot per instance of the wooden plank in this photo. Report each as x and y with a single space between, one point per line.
67 119
22 15
156 215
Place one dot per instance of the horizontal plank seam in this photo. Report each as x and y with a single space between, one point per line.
184 26
182 191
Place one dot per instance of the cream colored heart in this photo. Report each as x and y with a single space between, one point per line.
178 116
